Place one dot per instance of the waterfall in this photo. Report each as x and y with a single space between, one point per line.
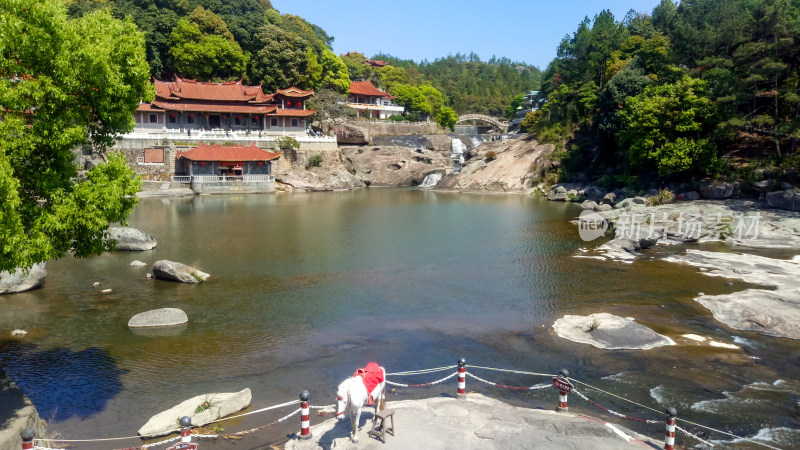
431 179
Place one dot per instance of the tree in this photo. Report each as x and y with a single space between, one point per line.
334 73
282 60
330 104
203 56
668 127
63 84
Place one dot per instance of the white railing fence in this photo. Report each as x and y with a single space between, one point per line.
221 178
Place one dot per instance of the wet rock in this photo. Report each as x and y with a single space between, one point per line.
589 204
202 409
610 198
691 196
19 281
175 271
716 190
608 331
394 166
164 317
640 200
137 264
132 239
788 199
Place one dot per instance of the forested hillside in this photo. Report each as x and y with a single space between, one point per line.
703 88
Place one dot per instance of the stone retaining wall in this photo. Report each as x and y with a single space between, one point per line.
377 128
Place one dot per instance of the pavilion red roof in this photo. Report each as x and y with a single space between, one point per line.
366 88
295 92
198 90
222 153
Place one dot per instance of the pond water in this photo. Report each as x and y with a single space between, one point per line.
305 288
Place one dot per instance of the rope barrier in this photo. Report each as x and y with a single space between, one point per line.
423 384
529 388
423 372
420 372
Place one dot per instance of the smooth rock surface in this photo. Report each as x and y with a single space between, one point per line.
175 271
475 423
394 166
18 281
612 332
132 239
163 317
218 405
716 190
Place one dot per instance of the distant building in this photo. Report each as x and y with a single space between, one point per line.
189 106
371 102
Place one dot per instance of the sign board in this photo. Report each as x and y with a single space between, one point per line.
562 384
184 446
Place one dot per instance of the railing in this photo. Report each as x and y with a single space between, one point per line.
220 178
231 136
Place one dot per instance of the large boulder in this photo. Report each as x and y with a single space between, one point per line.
164 317
717 190
608 331
202 409
788 199
393 165
349 134
131 239
175 271
20 281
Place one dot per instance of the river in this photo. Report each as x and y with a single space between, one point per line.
305 288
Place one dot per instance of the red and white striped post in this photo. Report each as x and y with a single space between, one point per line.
562 393
186 429
305 416
462 379
27 436
669 440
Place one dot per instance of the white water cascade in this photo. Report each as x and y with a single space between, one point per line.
457 154
431 179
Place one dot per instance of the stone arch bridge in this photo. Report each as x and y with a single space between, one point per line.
499 125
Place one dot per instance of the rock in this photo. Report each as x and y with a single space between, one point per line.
627 203
96 284
211 406
137 264
19 281
786 185
589 204
389 166
18 333
604 207
174 271
640 200
131 239
608 331
349 134
560 190
106 291
788 199
691 196
610 198
716 190
164 317
558 196
651 193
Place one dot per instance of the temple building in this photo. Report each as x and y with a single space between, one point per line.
371 102
188 106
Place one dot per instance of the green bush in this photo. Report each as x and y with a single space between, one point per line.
664 196
287 143
315 161
396 118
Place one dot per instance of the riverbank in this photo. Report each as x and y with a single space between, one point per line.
477 422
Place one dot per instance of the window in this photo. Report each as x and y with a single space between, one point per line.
172 118
254 121
237 120
154 155
273 121
190 119
153 118
294 123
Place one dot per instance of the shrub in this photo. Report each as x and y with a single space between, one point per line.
490 156
315 161
664 196
287 143
396 118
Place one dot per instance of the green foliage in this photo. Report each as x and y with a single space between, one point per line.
511 109
315 161
282 60
396 118
664 127
287 143
334 73
63 84
198 55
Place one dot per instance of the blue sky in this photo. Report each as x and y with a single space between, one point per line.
522 30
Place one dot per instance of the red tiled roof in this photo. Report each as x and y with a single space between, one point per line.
221 153
366 88
198 90
377 63
215 107
295 92
293 112
147 107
